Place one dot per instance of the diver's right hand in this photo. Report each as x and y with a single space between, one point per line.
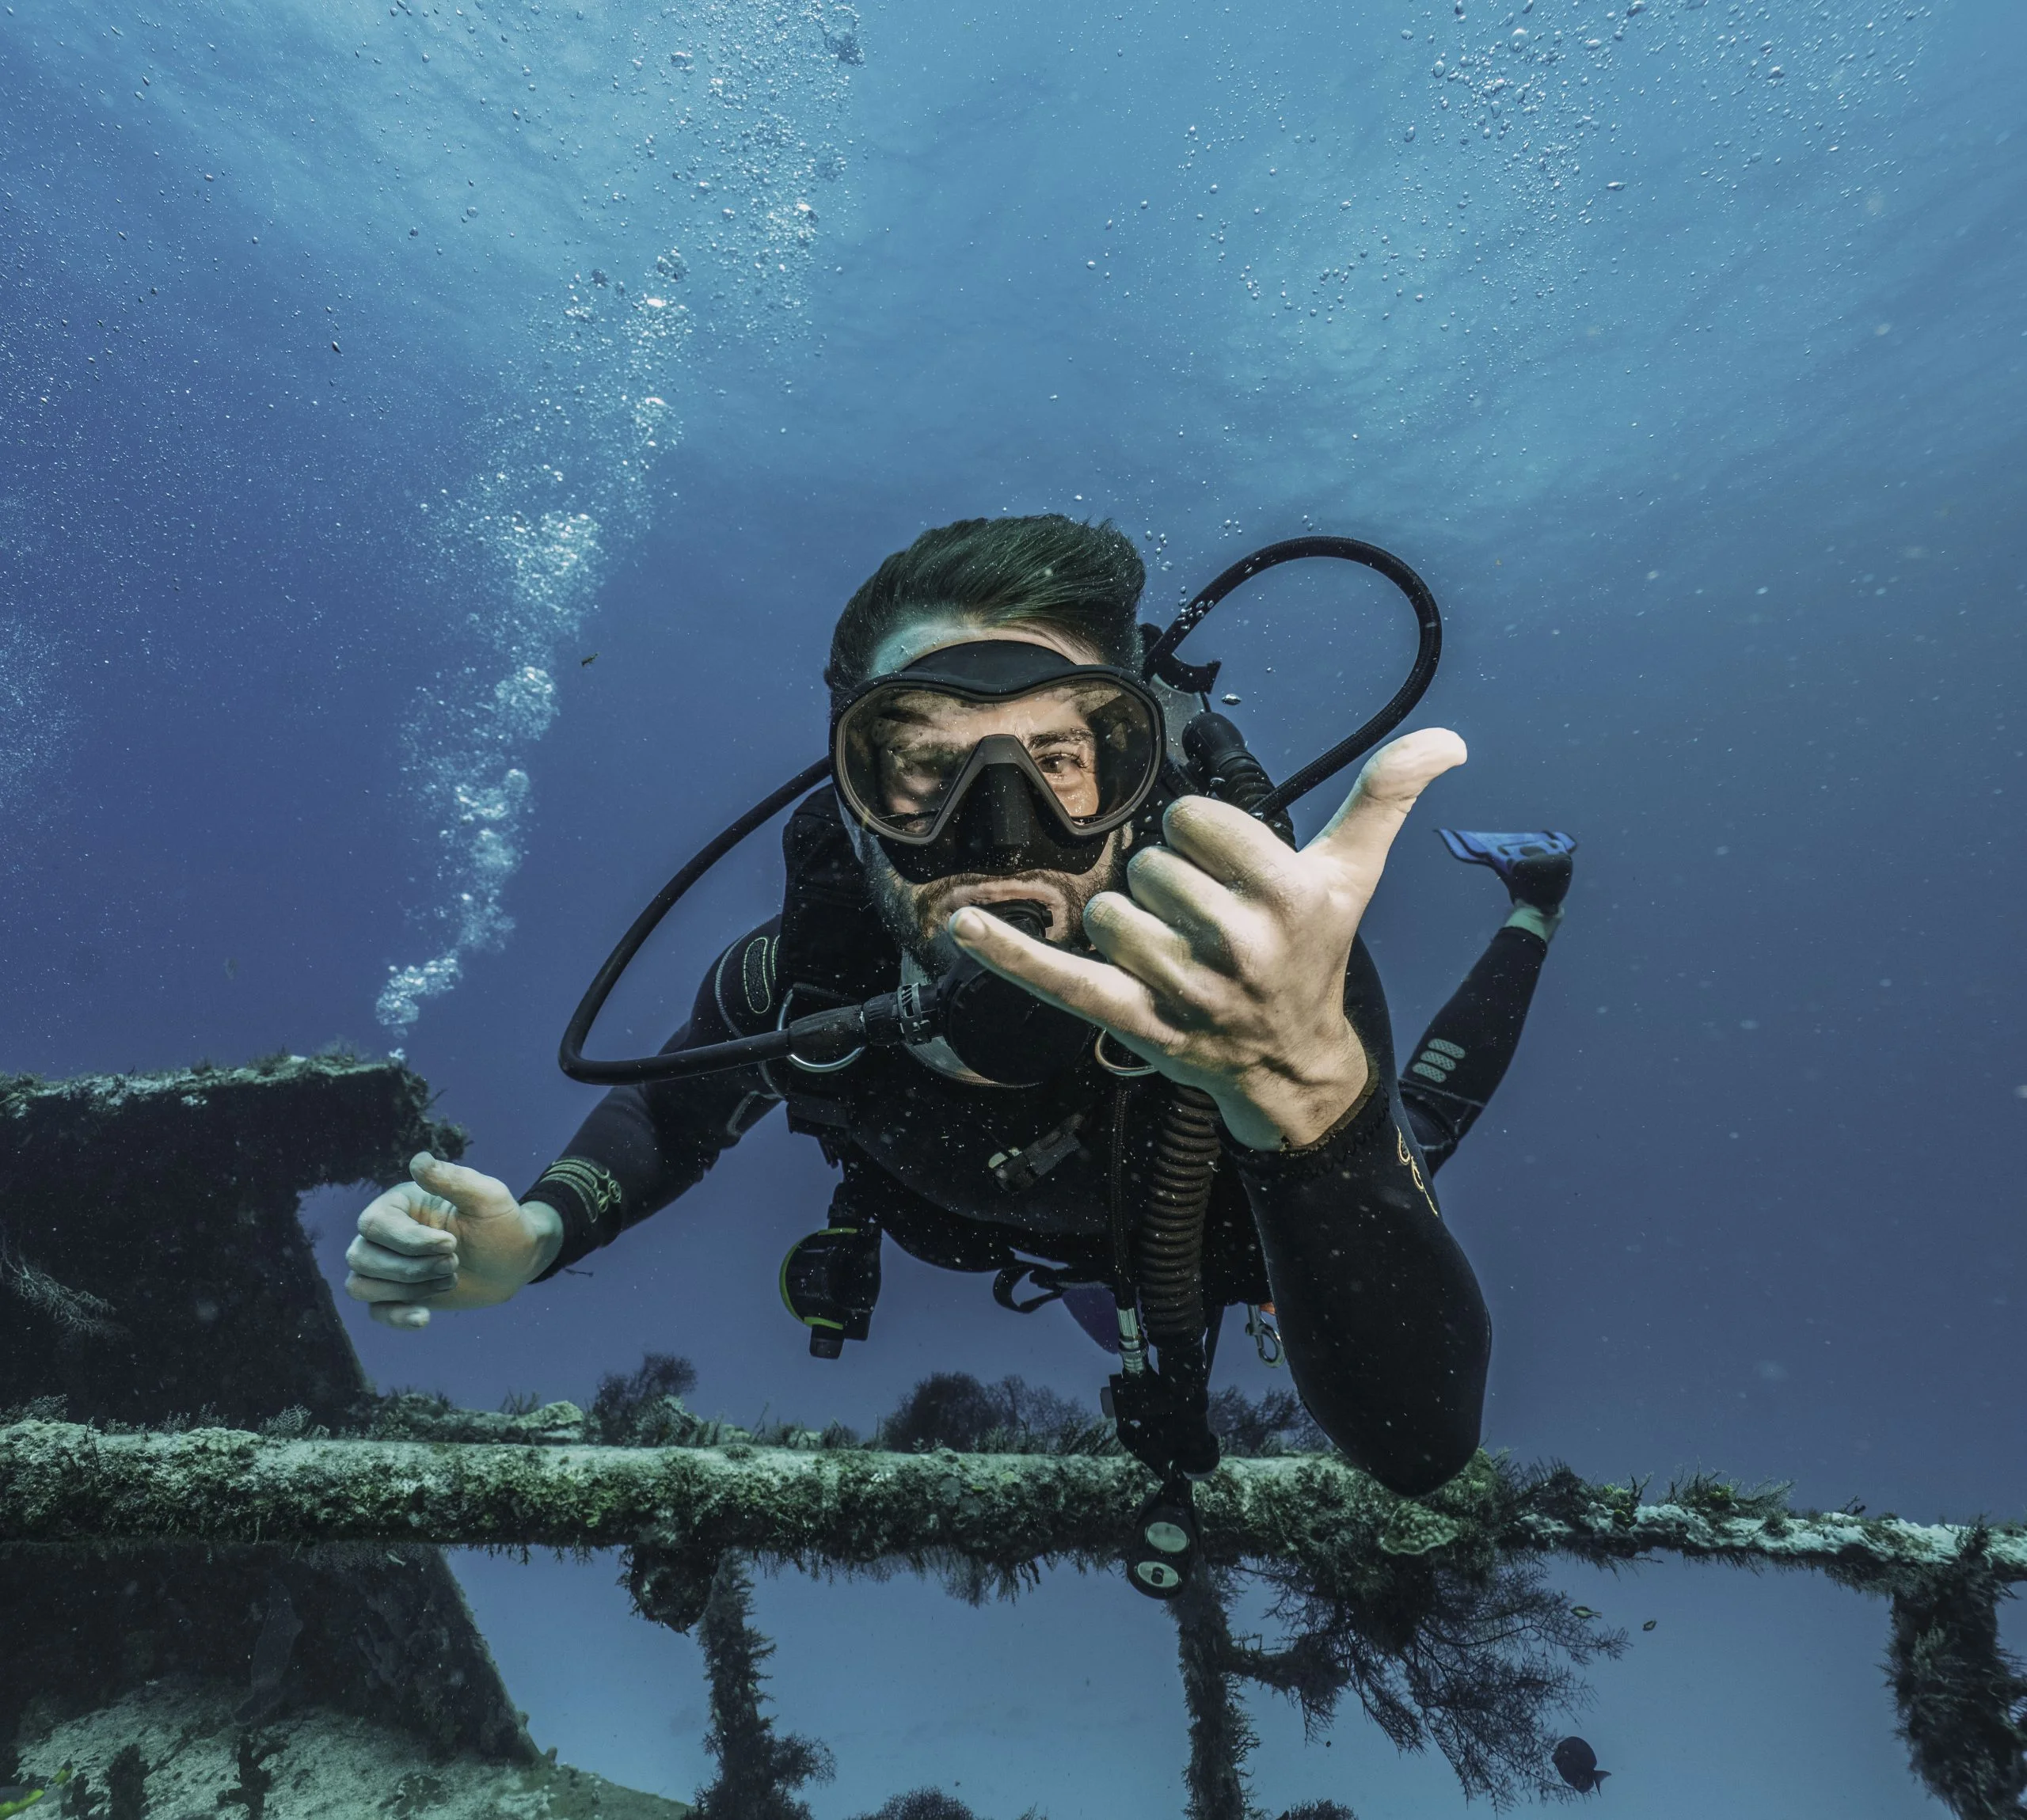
450 1238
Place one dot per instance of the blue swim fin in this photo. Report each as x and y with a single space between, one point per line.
1535 866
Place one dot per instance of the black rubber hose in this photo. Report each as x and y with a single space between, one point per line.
1171 1255
1171 1238
1185 1159
571 1058
1171 1241
1217 748
1428 622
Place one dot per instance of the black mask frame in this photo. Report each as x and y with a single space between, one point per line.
1000 815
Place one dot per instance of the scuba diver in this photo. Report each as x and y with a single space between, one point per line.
1062 1003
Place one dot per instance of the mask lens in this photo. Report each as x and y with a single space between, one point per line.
903 749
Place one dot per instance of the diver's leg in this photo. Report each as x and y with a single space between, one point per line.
1464 1053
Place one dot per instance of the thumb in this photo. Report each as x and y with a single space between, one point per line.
466 1190
1361 834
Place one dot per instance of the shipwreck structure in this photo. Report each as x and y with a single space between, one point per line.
198 1490
155 1277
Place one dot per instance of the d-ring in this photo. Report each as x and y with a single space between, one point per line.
781 1023
1124 1072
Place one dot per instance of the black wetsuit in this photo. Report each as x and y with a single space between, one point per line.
1386 1333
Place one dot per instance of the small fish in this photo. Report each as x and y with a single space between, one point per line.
1576 1763
1583 1612
1650 1623
231 968
336 349
586 663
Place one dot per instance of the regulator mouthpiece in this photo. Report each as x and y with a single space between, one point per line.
1001 1029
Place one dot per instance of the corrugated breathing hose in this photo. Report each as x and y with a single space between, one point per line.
1170 1247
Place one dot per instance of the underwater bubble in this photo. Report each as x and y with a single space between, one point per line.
524 559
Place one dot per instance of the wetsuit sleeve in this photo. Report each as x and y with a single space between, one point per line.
644 1145
1386 1334
1463 1054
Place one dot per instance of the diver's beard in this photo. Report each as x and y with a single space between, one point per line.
916 916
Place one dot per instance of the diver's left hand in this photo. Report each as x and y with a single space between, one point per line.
1226 963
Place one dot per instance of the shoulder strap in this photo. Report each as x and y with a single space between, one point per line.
833 951
832 941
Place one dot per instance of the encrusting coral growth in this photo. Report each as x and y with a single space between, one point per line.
831 1500
1963 1701
1221 1737
758 1769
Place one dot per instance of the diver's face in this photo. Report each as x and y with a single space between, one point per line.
923 739
1053 727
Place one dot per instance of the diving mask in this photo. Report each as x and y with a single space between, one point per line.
997 757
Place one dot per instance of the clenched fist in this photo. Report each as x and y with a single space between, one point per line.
449 1238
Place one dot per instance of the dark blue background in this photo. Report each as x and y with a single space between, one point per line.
1719 478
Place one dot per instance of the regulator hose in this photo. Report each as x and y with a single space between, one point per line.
1161 661
1170 1247
1240 786
1231 773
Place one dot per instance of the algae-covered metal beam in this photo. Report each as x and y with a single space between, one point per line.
151 1262
850 1505
308 1119
1344 1553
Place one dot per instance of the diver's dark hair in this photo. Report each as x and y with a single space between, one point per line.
1082 580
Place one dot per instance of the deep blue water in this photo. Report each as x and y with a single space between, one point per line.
1689 364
